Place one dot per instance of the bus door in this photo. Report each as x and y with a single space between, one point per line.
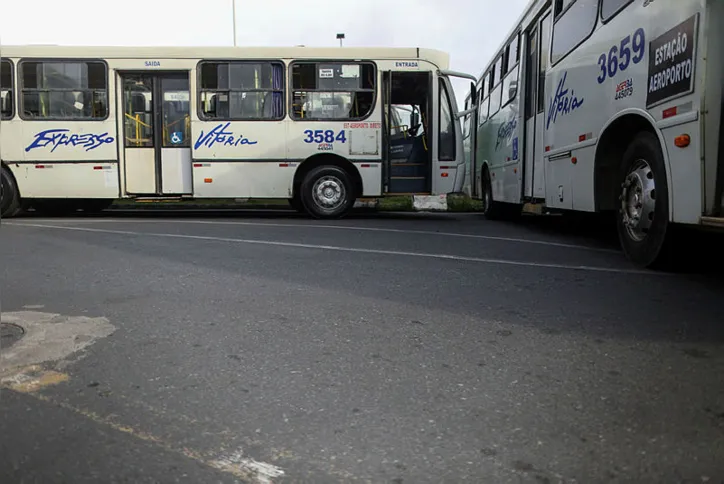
407 105
449 154
157 128
537 50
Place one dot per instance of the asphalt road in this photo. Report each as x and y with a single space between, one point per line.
266 347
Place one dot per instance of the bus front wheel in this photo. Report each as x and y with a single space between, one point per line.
327 192
9 196
643 215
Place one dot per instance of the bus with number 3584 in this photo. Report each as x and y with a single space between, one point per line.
322 127
608 106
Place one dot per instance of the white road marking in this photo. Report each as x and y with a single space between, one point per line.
350 249
517 240
235 462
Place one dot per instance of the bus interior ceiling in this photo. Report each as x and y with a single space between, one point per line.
410 161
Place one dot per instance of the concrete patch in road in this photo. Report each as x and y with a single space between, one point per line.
49 337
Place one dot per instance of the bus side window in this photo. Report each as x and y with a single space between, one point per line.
484 100
574 23
63 90
610 8
6 90
332 90
510 81
242 90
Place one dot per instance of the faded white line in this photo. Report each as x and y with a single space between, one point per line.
346 227
263 472
350 249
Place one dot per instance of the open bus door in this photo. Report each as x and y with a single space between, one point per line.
464 165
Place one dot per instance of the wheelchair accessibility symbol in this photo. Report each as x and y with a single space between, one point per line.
177 137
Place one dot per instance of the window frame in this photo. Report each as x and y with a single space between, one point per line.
13 89
555 20
484 97
506 53
499 57
620 9
360 62
67 60
200 90
443 90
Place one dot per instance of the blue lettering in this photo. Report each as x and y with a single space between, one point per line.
505 132
152 63
562 103
54 138
220 135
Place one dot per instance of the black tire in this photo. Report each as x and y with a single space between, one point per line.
643 226
10 196
338 184
493 210
296 202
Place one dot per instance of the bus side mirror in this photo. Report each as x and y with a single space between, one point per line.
473 94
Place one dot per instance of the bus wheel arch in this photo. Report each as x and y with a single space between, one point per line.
613 142
632 179
10 200
493 210
341 177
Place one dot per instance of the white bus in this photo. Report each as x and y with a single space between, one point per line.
320 127
605 105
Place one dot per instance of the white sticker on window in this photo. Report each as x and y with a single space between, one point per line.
326 73
350 70
176 96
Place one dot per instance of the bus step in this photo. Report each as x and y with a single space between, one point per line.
408 184
713 222
533 208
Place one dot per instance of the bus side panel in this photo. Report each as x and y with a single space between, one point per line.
248 179
353 140
65 159
239 159
686 173
67 180
608 73
712 35
506 152
10 149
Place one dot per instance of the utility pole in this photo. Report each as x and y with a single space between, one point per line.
233 16
340 37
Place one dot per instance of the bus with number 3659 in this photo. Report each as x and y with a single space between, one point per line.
605 106
83 126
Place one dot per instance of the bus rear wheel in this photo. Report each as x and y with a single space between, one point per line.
493 210
9 195
327 192
643 215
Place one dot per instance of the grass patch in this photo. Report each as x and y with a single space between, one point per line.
395 204
463 203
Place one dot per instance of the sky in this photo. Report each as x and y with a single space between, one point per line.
469 30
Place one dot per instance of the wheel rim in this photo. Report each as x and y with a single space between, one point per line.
329 192
638 200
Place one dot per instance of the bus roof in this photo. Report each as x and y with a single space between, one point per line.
439 58
532 7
